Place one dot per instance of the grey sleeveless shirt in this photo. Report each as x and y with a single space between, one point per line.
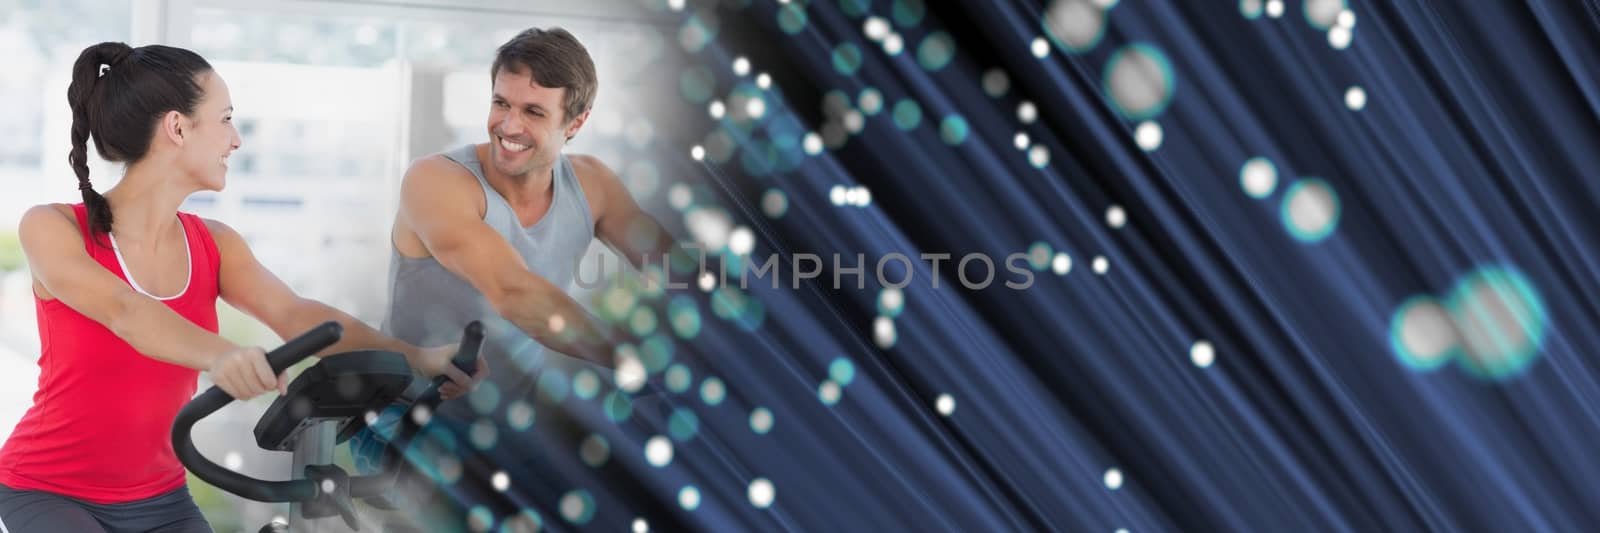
429 305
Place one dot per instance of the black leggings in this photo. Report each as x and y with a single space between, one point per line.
32 511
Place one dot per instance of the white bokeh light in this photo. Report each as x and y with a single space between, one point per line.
893 44
689 498
717 109
741 66
1274 8
697 152
658 451
1100 264
1323 14
679 195
1427 333
709 227
1148 135
1139 81
883 332
741 241
1311 210
1075 24
853 121
945 404
1250 8
1202 354
761 493
1039 47
876 28
761 420
1347 19
1355 98
1021 141
812 143
1027 112
1039 155
891 298
500 481
1113 479
1339 37
829 392
1061 264
572 506
630 374
1116 217
1259 177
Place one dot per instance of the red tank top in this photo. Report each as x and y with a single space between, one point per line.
101 421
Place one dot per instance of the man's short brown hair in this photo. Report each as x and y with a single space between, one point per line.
556 60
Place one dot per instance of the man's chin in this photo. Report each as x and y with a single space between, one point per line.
502 163
513 170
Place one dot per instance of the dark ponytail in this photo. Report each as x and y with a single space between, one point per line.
118 93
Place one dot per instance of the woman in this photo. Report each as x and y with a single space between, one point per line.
126 289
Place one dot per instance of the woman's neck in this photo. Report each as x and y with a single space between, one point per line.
144 204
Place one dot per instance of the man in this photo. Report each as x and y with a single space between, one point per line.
494 231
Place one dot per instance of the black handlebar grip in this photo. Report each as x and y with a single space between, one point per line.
304 346
466 358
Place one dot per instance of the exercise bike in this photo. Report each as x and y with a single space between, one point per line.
324 406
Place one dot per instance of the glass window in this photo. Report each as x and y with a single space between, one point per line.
320 102
41 40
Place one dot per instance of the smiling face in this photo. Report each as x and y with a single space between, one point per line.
527 124
209 136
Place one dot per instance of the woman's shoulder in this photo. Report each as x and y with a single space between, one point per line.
216 227
64 210
49 219
47 230
223 236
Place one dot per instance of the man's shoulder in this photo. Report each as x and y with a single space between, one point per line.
435 181
585 163
437 170
591 171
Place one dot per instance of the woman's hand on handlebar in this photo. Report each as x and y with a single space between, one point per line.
243 373
435 361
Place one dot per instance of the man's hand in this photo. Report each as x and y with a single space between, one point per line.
435 361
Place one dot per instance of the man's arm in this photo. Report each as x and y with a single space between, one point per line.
438 201
622 225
